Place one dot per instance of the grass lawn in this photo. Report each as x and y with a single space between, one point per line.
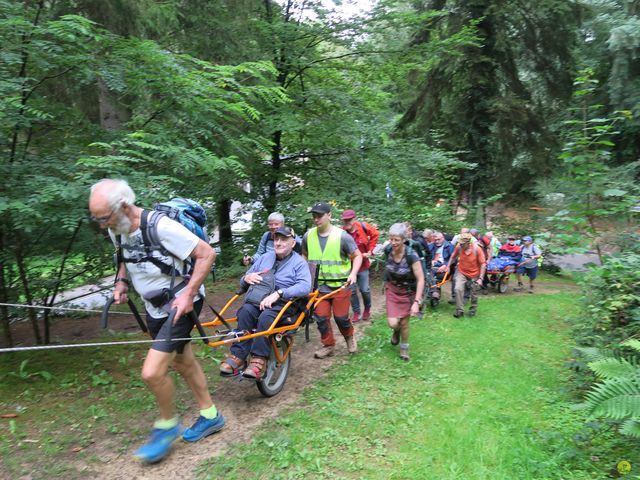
482 398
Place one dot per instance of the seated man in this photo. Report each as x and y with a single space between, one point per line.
292 280
511 249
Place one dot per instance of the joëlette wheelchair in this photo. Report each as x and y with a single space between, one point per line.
295 313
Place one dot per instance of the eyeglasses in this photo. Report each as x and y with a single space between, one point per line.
103 220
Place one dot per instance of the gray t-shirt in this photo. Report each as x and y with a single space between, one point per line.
347 248
528 252
147 277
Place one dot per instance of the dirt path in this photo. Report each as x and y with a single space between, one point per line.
244 408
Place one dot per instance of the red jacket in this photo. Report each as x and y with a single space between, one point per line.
366 239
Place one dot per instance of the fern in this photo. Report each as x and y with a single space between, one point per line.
610 368
618 396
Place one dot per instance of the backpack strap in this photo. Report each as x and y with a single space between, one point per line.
151 240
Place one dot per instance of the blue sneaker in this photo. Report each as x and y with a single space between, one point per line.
203 427
159 444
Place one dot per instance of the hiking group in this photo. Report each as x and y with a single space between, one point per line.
165 256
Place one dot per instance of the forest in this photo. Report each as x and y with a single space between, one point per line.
432 111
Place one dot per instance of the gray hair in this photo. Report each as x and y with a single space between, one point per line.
427 232
277 216
398 230
117 192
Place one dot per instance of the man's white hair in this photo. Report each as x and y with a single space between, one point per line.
398 230
118 192
277 216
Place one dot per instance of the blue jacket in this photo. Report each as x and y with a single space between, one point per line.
447 250
293 276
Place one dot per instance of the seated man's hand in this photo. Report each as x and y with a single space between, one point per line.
442 268
253 278
269 300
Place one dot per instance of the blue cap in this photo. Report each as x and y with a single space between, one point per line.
527 238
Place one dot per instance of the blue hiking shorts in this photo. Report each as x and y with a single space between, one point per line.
532 273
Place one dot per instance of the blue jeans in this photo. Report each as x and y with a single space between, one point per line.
361 284
250 317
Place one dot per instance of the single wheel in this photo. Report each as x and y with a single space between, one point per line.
275 374
503 285
434 302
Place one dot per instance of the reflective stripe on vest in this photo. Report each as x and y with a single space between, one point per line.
333 269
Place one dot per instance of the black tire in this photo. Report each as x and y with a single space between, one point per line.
434 302
503 285
272 382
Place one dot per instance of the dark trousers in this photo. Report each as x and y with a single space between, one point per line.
251 317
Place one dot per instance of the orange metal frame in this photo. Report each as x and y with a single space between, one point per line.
313 299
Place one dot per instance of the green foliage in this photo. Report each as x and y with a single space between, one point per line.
618 396
591 189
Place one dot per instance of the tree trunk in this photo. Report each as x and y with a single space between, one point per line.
33 317
4 311
112 115
224 219
272 199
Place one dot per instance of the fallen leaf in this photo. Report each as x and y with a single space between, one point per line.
76 449
8 415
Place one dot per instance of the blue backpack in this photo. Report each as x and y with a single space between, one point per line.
187 212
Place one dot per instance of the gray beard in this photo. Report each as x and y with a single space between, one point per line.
123 225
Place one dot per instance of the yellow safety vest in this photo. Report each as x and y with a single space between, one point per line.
334 270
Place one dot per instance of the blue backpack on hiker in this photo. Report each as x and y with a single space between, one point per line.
187 212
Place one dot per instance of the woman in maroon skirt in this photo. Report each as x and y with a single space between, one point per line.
404 282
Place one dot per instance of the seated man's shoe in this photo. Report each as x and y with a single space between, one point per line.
231 366
159 444
471 313
324 351
366 315
203 427
356 317
459 314
256 368
352 345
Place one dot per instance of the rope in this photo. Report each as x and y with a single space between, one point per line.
18 305
106 344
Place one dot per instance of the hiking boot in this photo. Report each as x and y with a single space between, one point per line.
256 368
471 313
203 427
324 351
530 289
356 317
352 345
366 315
159 444
404 352
459 313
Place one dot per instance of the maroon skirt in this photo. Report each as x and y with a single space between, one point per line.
399 300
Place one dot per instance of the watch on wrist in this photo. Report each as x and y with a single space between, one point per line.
123 280
280 292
